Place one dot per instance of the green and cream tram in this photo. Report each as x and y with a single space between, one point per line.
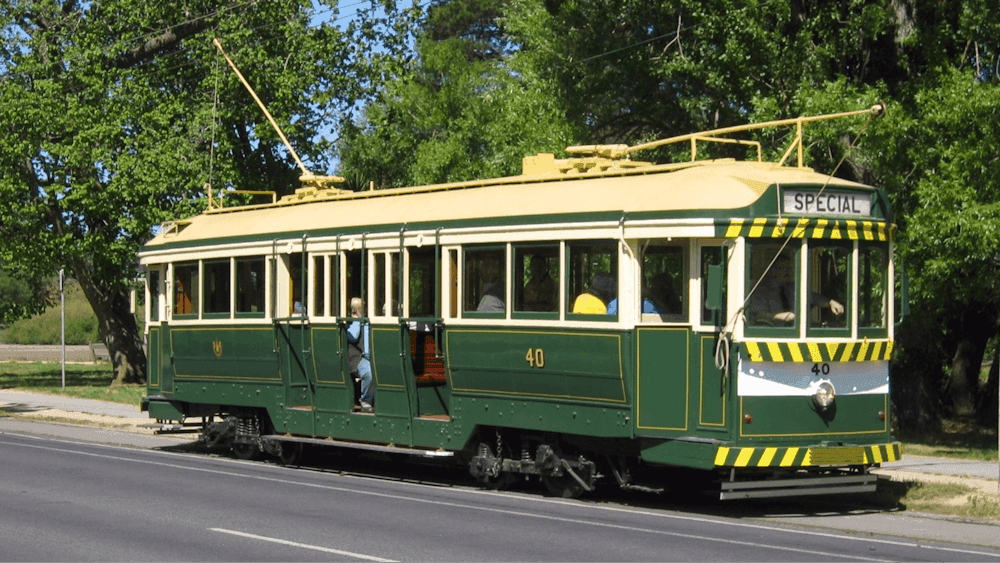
742 324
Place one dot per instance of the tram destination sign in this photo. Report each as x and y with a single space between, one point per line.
827 203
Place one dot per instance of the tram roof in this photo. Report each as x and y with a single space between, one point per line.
703 185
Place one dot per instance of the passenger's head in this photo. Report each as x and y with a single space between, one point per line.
783 268
539 267
357 307
604 286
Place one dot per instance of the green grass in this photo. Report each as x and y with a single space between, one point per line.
962 439
81 323
937 498
84 381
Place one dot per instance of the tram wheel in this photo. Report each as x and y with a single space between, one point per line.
501 482
247 452
289 453
562 486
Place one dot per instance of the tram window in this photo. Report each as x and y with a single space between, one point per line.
186 288
421 282
453 283
217 287
357 285
663 282
296 272
713 256
593 278
829 284
153 283
333 282
395 287
250 285
871 287
319 280
484 280
536 278
380 285
771 286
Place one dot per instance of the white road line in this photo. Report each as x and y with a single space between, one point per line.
302 545
844 536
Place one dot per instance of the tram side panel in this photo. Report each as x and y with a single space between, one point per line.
571 382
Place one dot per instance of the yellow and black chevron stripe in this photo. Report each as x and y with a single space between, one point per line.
807 457
806 227
780 351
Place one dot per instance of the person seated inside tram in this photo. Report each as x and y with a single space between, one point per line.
492 300
601 291
663 297
773 302
540 292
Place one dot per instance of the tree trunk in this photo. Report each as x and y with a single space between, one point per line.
964 380
963 383
116 327
988 406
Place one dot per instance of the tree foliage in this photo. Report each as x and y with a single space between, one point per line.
627 71
118 114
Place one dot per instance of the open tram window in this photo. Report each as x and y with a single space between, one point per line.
592 269
386 284
664 277
484 282
186 288
250 288
771 285
536 279
319 286
153 286
872 276
829 285
422 294
299 293
356 275
714 255
217 288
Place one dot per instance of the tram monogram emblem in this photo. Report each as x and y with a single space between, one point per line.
217 348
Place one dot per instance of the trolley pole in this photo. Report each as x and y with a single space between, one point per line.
62 322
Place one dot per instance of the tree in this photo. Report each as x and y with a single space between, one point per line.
119 113
627 71
461 110
21 297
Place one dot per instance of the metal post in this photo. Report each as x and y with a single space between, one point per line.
62 323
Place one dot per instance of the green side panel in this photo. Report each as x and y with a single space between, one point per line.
433 399
528 413
696 455
537 363
711 386
663 385
153 354
162 410
377 428
388 374
245 353
165 361
798 417
328 356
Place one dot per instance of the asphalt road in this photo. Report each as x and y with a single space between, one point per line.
64 500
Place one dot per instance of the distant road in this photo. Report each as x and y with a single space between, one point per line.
44 353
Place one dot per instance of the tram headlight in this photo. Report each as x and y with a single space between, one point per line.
825 394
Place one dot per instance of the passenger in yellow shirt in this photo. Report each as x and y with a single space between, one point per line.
594 301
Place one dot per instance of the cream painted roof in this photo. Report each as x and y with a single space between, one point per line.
718 185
